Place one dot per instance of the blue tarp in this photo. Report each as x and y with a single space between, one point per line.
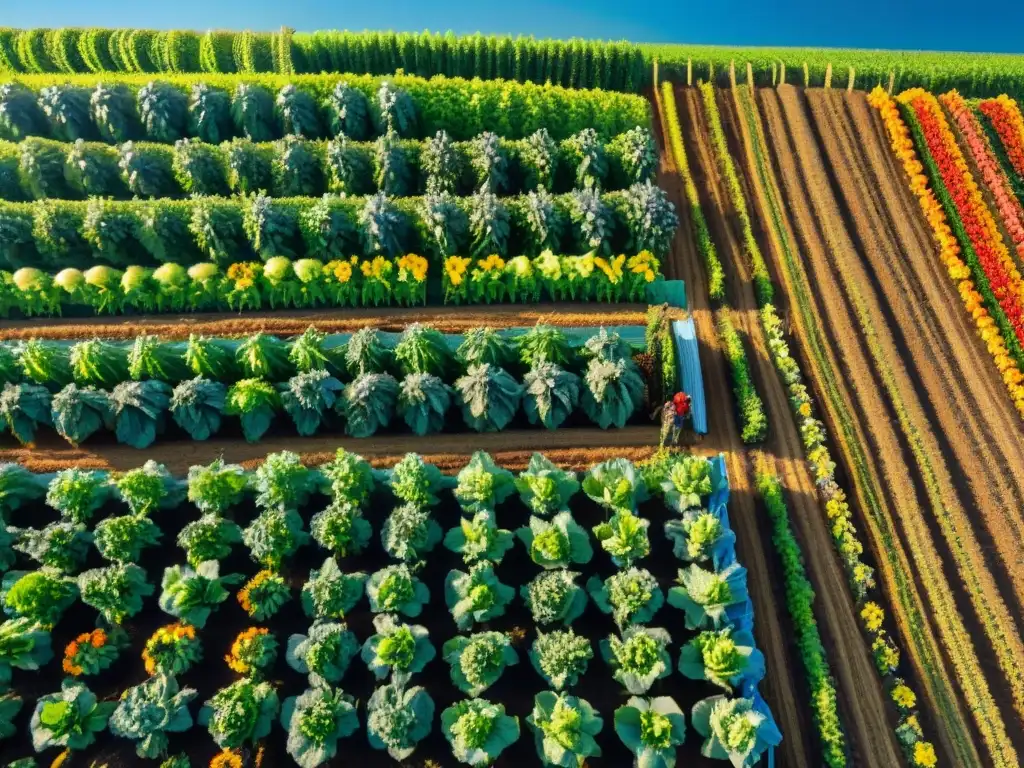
691 380
671 292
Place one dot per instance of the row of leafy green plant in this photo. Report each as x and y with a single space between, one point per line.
710 593
617 66
132 388
36 168
216 108
52 234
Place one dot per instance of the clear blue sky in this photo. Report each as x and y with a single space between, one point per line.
902 24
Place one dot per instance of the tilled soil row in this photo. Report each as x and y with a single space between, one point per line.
943 712
878 366
781 688
863 703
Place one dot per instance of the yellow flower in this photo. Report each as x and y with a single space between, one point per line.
343 272
241 648
873 615
904 697
353 259
584 265
493 263
243 284
549 265
805 410
378 268
924 755
226 759
415 265
455 268
520 266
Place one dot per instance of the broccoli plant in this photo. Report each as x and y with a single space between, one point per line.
489 163
561 657
331 594
614 392
566 728
394 589
539 157
416 482
624 537
197 406
23 408
264 595
652 729
701 536
610 347
478 731
479 539
422 349
341 528
70 718
148 488
544 344
79 412
368 403
348 111
477 596
215 488
255 402
122 538
308 398
382 226
116 591
62 546
25 645
489 224
423 403
365 353
736 730
592 220
637 154
650 218
631 596
726 657
545 488
324 654
482 485
399 718
282 481
477 661
191 595
40 596
551 394
410 532
147 712
556 543
242 713
275 534
554 597
639 657
711 598
587 151
208 538
397 649
688 482
442 164
315 720
349 477
615 484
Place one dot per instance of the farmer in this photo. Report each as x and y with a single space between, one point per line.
674 415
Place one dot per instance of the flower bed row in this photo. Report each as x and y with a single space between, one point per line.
54 234
132 388
713 609
1006 119
310 283
213 108
962 266
36 169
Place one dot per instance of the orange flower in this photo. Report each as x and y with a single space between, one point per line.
244 593
240 649
226 759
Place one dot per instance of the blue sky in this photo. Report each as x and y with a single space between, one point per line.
903 24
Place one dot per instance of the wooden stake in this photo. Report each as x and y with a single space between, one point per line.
807 76
782 73
828 75
892 81
849 86
689 72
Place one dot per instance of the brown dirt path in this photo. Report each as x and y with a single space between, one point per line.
867 716
753 544
887 392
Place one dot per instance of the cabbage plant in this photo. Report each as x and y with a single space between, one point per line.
478 731
550 394
40 596
197 406
62 546
216 487
348 477
614 392
324 654
282 481
615 484
479 660
18 486
423 403
554 597
242 713
393 589
122 538
397 649
544 344
369 403
366 353
700 536
341 528
274 535
309 352
211 358
607 346
398 719
482 485
711 598
70 718
478 539
482 346
148 488
488 396
565 729
736 730
315 720
639 657
208 538
330 593
561 657
116 591
631 596
308 398
556 543
10 705
688 482
23 408
147 712
414 481
25 645
192 594
477 596
422 349
624 537
652 729
545 488
264 595
410 532
726 657
255 402
77 493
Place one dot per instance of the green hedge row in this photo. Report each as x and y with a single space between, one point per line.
55 234
264 107
37 168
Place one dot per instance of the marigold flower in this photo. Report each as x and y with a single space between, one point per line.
924 755
904 697
873 616
226 759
